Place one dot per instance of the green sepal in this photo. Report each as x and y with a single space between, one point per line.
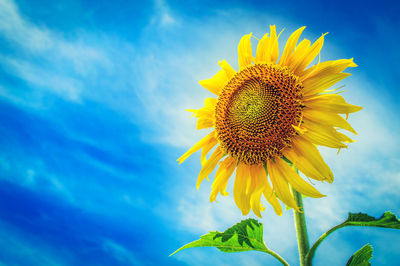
287 160
361 257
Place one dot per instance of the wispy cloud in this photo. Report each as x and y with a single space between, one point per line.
163 15
17 249
47 60
124 256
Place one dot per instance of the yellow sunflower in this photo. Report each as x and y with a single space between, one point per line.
268 118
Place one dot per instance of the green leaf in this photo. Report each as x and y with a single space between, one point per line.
244 236
387 220
361 257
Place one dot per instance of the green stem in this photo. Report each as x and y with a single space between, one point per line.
301 228
276 256
311 252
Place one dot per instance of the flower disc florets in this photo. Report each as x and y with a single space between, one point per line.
256 112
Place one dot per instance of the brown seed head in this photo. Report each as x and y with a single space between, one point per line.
256 112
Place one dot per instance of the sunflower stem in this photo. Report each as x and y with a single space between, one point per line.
276 256
301 228
311 252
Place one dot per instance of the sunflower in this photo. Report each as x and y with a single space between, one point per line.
267 120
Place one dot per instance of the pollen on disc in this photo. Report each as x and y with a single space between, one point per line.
256 111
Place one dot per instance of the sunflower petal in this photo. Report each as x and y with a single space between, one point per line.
323 135
240 196
309 55
224 172
230 72
281 186
306 157
259 178
216 83
209 165
244 51
330 119
204 123
331 103
206 148
274 44
318 84
262 53
197 147
290 45
344 138
296 181
271 198
205 114
295 58
327 68
268 48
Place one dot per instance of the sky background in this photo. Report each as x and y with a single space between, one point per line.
92 120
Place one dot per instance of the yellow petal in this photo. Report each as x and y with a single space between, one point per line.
210 102
268 48
262 53
309 55
322 135
206 148
274 44
281 186
270 195
295 180
244 51
325 118
344 138
224 172
197 147
240 196
209 165
318 84
216 83
204 123
271 198
331 103
327 68
206 114
230 72
295 58
290 45
259 178
306 157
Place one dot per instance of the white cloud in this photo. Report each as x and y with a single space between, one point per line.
162 14
47 60
120 253
24 249
41 40
15 28
66 87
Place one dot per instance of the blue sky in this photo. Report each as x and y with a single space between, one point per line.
92 100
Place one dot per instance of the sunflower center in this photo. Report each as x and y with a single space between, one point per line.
256 112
